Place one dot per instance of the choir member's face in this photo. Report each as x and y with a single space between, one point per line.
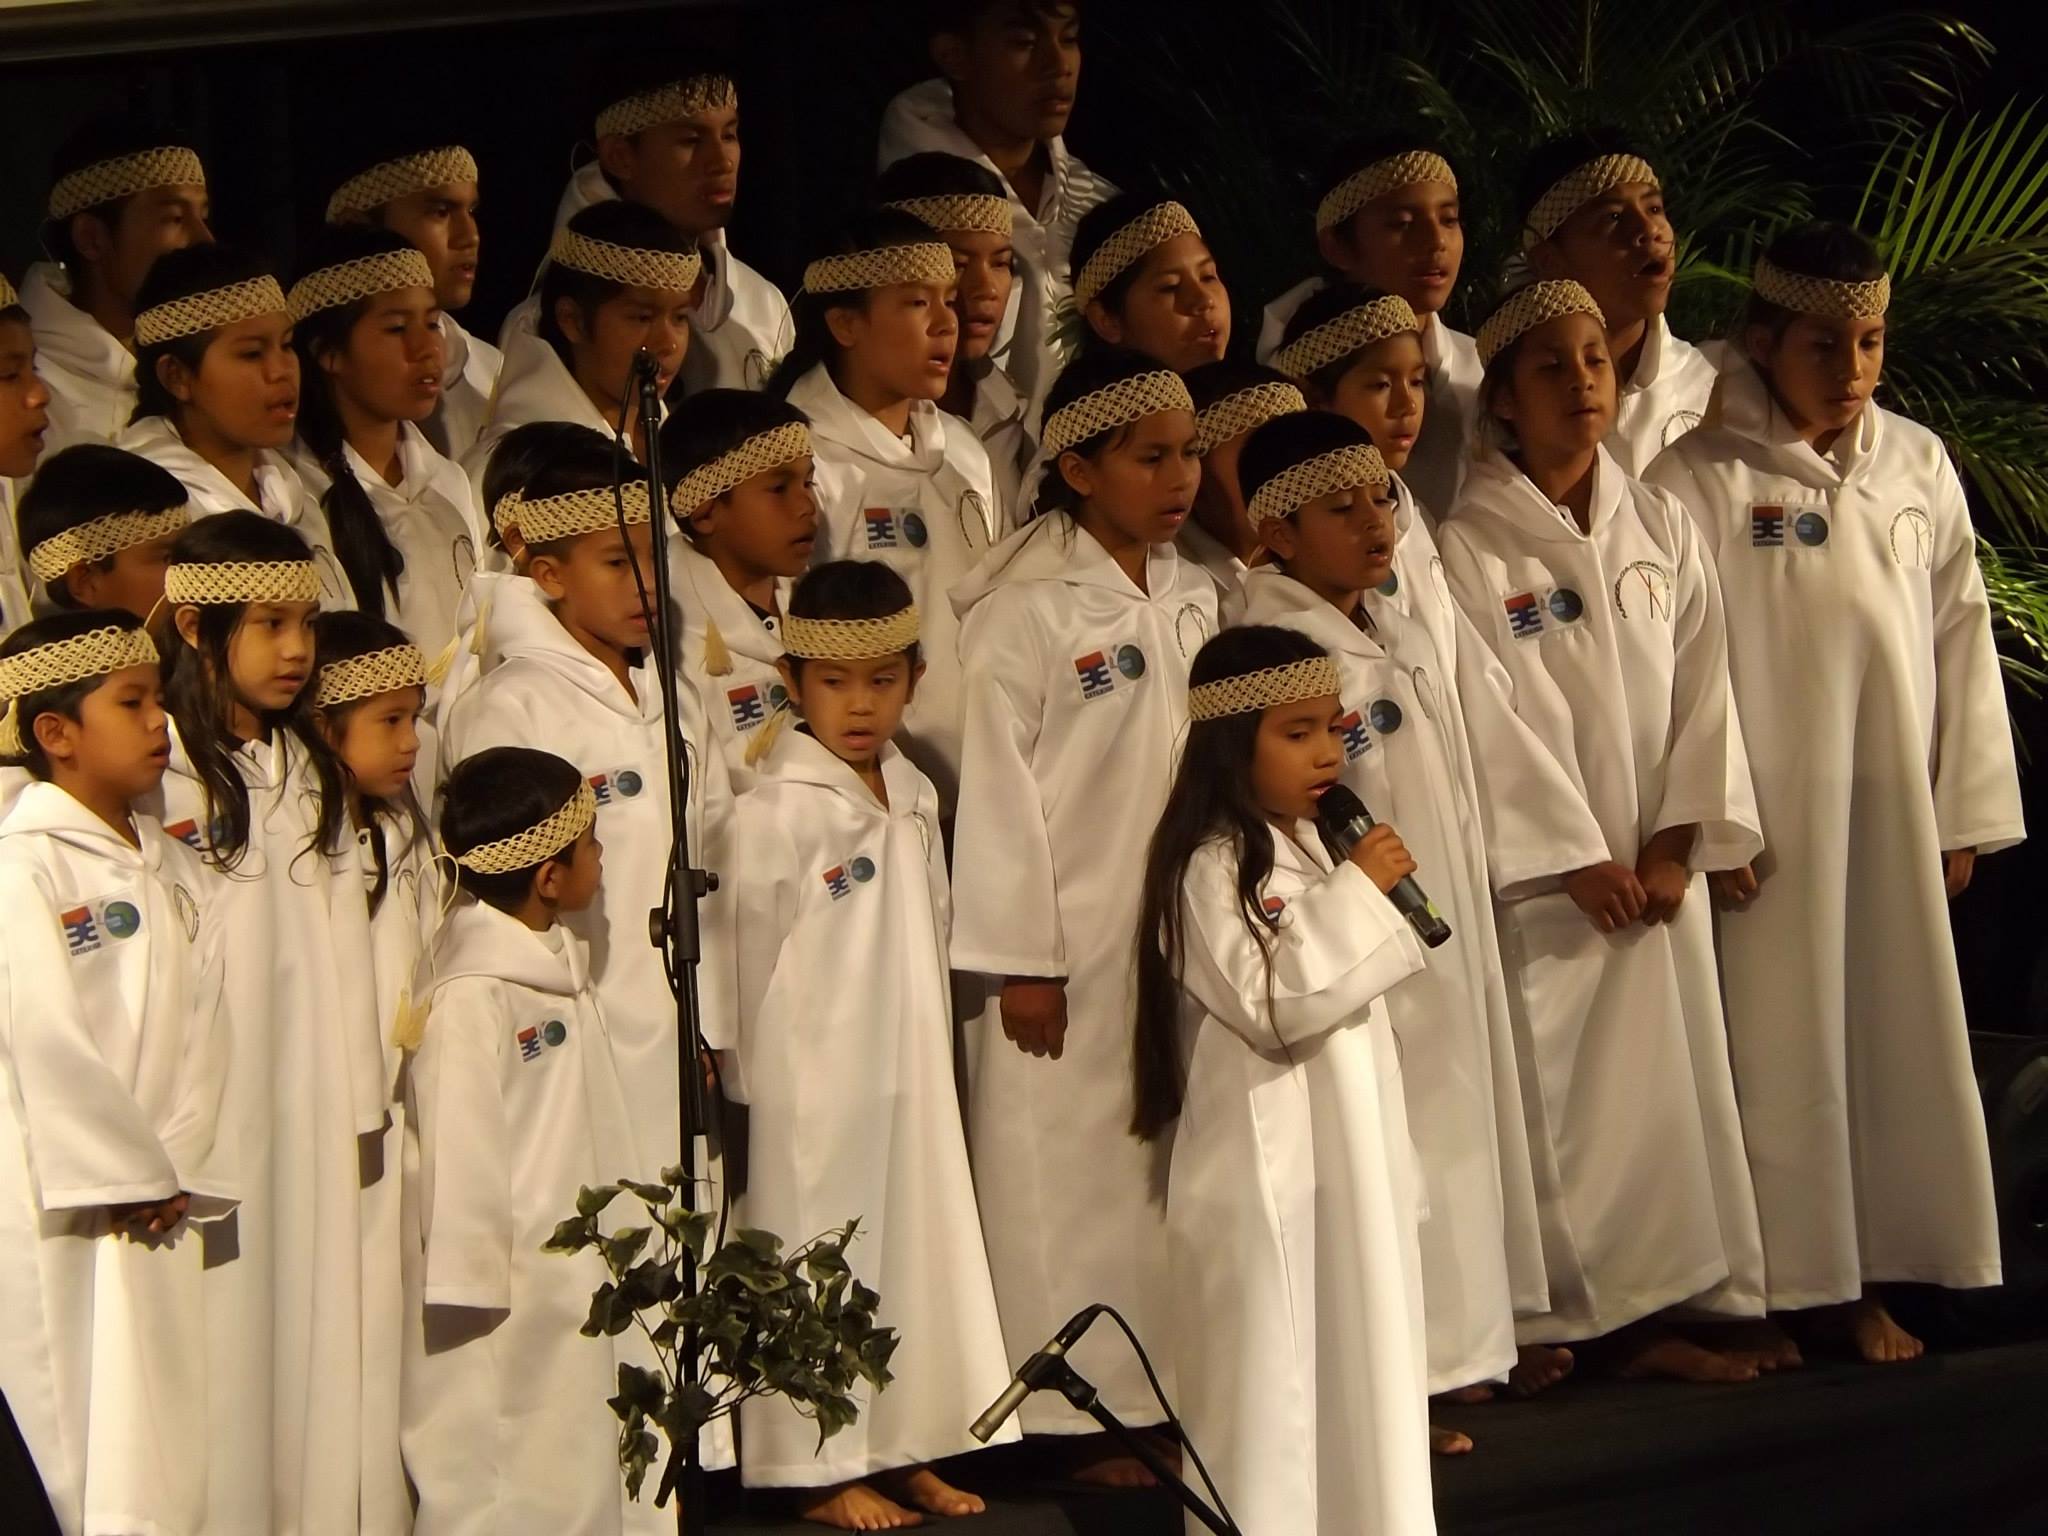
1822 371
852 707
1559 395
378 740
1410 242
130 579
1620 246
686 171
1175 310
1337 545
390 369
1297 754
1384 388
441 221
270 653
655 318
899 345
984 268
1016 69
1140 486
576 875
590 581
765 525
144 226
245 391
24 401
1219 499
120 739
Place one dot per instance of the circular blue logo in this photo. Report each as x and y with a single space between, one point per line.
554 1032
1391 585
630 784
1385 716
1566 605
862 869
1130 661
777 695
122 920
914 533
1811 527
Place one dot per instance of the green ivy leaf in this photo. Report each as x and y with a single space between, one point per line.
571 1236
591 1200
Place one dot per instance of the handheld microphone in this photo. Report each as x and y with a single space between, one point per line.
1025 1382
1343 819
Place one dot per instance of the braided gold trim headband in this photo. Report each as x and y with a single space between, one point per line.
347 281
761 452
389 180
1389 315
849 639
982 211
1572 192
373 672
634 266
1307 679
1101 410
668 104
1828 298
241 581
209 311
1526 308
543 840
1147 232
1239 413
1340 469
103 536
926 262
96 653
173 165
1408 169
8 297
548 518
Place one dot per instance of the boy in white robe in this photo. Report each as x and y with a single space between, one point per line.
1232 400
96 529
24 422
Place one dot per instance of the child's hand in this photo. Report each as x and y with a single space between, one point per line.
1609 894
1957 866
1383 857
153 1217
1035 1015
1733 889
1665 882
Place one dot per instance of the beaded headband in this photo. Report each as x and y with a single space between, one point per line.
95 653
209 311
928 261
547 518
982 211
103 536
347 281
1526 308
1310 678
389 180
373 672
1378 179
1340 469
1148 231
87 187
1389 315
1238 413
241 581
849 639
1572 192
1828 298
543 840
670 103
8 297
763 451
1101 410
635 266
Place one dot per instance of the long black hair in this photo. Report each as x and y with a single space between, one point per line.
339 636
1211 799
180 274
813 344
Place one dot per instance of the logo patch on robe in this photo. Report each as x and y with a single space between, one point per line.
616 784
1648 584
186 832
1566 606
601 789
1273 907
1525 615
1130 661
1680 423
914 532
1093 673
81 931
881 526
862 869
837 883
748 707
187 910
92 925
1357 739
1391 585
1385 716
1767 527
529 1043
1811 528
1912 538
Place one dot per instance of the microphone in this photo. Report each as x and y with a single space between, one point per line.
1343 819
1025 1382
646 368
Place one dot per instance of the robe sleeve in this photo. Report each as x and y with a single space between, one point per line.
765 911
465 1149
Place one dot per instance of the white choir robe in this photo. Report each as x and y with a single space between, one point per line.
1000 421
430 516
927 509
1663 401
536 385
1075 685
1297 1327
1614 646
1860 644
515 1103
113 1054
738 700
1203 550
846 1062
18 585
469 383
89 373
280 496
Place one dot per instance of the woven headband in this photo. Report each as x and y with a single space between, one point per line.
8 297
1147 232
982 211
1389 315
1410 168
96 653
547 518
1311 678
171 166
1114 405
634 266
1571 193
204 584
926 262
1239 413
373 672
389 180
670 103
543 840
101 537
1527 308
849 639
761 452
1828 298
347 281
1340 469
209 311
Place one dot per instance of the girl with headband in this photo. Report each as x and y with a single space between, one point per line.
1860 643
1145 279
1232 400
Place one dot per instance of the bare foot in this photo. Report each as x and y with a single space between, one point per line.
926 1490
1877 1336
1114 1472
857 1507
1539 1367
1448 1442
1763 1343
1666 1354
1465 1397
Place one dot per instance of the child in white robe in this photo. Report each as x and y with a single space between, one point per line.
1595 596
1292 1199
1145 279
112 1060
899 479
1844 541
515 1102
1232 400
1075 638
96 529
845 857
24 420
